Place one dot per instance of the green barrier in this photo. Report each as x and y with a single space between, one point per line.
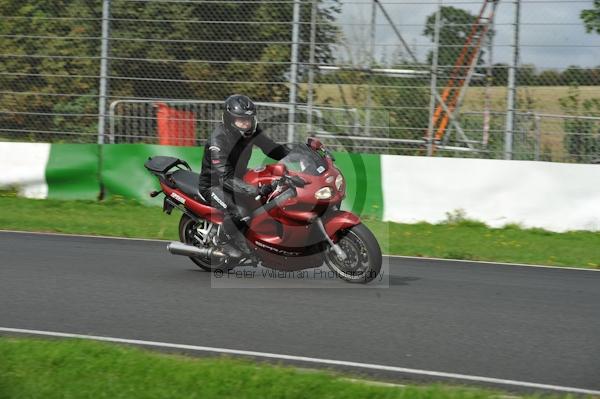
364 195
123 173
72 172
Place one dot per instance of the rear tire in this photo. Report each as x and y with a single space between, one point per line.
363 253
187 226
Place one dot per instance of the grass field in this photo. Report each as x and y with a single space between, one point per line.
34 368
542 99
535 99
456 239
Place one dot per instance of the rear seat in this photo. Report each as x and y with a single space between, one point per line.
188 182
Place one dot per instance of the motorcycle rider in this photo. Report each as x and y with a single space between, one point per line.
225 161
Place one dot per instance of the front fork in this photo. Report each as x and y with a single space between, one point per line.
337 221
336 248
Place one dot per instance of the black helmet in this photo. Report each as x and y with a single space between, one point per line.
240 115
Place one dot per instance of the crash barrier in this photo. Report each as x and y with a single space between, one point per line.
175 127
83 171
55 171
553 196
187 122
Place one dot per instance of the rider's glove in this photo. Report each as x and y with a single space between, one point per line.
265 190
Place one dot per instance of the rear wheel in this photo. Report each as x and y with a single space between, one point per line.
194 233
363 255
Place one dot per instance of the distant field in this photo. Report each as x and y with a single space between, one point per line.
542 99
538 99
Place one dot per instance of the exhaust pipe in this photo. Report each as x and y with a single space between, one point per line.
179 248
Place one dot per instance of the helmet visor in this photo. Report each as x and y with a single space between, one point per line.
244 122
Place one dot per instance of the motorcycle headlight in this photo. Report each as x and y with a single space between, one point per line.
323 193
339 181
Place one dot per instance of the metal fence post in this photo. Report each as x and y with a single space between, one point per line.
538 136
103 91
434 71
371 58
489 78
512 90
294 71
311 67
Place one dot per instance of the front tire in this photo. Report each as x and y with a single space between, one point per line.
363 262
187 230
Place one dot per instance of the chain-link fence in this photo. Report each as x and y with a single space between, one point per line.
489 79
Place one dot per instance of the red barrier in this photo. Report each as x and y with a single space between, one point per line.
175 127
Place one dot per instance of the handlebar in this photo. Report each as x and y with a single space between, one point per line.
292 181
287 194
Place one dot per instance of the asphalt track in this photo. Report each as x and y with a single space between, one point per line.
540 325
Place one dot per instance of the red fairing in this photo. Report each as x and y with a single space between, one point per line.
286 235
199 209
304 207
339 221
264 174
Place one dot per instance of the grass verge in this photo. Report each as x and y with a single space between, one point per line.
36 368
457 239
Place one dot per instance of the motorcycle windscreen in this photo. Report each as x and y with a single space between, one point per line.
303 159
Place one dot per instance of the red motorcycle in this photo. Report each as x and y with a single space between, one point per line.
299 226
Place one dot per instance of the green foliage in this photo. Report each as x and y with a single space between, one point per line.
78 115
591 17
405 107
582 136
214 60
70 71
458 217
158 50
529 75
455 27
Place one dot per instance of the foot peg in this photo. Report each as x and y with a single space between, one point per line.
232 251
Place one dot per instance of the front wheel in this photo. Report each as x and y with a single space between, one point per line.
363 255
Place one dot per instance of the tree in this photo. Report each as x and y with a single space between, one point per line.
591 18
201 50
500 74
549 77
248 47
403 107
526 75
574 76
593 76
41 73
455 27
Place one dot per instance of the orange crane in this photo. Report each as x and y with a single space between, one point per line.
463 70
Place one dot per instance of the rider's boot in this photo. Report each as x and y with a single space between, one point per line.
235 229
231 250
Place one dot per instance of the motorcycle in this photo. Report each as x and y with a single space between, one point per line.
299 226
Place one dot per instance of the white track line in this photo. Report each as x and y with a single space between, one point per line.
374 383
43 233
389 256
308 360
492 263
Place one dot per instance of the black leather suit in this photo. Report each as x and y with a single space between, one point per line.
226 156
